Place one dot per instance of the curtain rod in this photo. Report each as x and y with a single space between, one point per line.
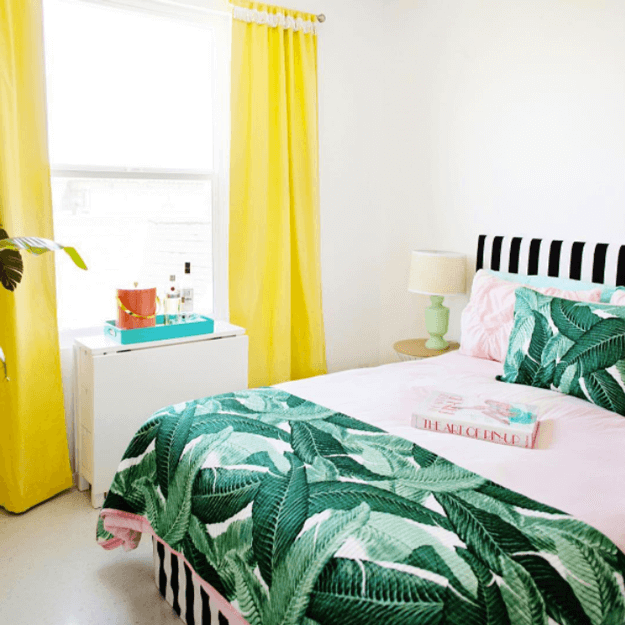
321 17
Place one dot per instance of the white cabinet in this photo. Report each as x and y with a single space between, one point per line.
118 387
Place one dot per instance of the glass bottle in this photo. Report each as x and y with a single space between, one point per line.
186 294
172 302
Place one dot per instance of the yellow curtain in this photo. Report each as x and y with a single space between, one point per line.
274 267
34 460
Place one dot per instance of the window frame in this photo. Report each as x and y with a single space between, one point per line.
219 20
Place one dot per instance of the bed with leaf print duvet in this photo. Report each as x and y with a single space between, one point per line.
295 513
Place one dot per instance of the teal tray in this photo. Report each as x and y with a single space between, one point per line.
196 325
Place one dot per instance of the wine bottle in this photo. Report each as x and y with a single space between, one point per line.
186 294
172 302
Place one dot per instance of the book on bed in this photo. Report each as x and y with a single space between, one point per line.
490 420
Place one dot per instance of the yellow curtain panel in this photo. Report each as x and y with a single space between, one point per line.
274 267
34 460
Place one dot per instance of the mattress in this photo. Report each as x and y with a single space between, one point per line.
577 465
296 505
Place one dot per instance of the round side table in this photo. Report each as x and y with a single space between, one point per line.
415 349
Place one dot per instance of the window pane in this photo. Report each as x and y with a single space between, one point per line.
129 230
127 89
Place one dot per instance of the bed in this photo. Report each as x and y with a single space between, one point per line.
315 501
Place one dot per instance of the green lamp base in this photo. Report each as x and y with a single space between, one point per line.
437 323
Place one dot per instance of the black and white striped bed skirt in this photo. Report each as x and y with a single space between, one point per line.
181 588
603 263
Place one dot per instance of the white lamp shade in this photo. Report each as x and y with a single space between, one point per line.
437 273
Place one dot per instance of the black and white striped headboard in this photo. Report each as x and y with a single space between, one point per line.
603 263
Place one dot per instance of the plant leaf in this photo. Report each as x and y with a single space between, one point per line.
489 594
142 439
572 318
171 439
348 495
296 575
177 513
38 246
220 493
514 499
279 511
561 603
250 593
523 601
540 337
599 348
445 477
352 424
424 457
487 535
354 592
218 421
309 442
428 559
592 581
11 264
201 565
4 364
602 389
557 346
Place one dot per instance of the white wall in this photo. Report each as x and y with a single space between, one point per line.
517 119
366 171
442 119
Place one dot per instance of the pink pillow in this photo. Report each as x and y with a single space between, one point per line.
618 297
488 318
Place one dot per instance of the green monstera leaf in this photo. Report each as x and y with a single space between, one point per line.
599 348
530 371
489 594
487 535
171 439
142 439
220 493
590 578
218 421
572 319
310 442
514 499
602 389
250 593
172 518
347 495
296 575
359 592
11 265
521 596
561 603
279 511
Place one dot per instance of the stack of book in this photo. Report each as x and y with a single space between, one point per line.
484 419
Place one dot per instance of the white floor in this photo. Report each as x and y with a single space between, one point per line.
52 571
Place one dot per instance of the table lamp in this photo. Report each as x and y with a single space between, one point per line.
437 274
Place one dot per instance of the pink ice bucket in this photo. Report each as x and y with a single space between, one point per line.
136 307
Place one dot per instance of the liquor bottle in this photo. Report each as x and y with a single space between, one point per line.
186 294
172 302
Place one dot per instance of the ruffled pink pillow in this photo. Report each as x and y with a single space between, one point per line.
488 318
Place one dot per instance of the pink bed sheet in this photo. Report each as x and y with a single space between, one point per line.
578 464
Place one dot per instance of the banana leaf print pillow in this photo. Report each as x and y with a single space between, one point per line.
576 348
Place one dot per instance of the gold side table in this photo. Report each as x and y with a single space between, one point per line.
415 349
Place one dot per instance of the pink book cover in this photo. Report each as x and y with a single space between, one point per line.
484 419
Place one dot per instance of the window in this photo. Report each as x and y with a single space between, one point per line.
138 124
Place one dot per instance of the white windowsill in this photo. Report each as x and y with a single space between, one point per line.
68 336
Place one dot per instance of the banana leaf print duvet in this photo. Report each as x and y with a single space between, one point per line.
297 514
